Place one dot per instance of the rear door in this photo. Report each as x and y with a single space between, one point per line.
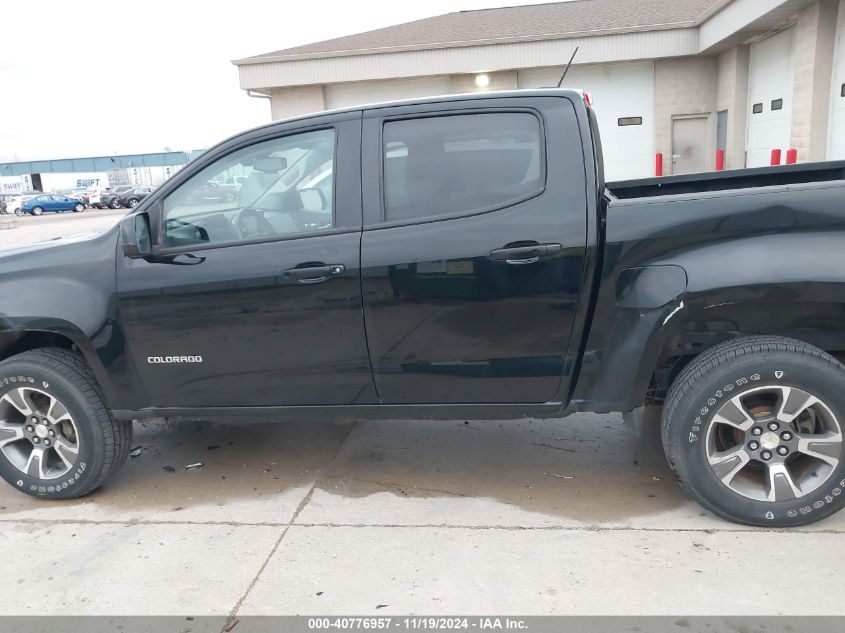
473 248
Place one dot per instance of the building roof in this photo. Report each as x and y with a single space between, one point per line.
557 20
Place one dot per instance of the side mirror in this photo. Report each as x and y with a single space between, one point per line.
135 236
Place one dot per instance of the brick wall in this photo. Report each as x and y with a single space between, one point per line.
815 37
732 96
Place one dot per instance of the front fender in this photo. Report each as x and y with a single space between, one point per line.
66 288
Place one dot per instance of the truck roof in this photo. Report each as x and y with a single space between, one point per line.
572 93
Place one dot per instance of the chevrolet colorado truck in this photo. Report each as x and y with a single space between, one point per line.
450 257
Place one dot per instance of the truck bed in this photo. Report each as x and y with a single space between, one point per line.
727 180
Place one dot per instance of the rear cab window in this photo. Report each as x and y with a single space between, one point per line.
460 164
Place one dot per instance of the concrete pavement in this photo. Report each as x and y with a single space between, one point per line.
529 517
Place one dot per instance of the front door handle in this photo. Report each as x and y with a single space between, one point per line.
314 274
526 253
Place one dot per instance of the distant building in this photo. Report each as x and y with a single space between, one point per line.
681 77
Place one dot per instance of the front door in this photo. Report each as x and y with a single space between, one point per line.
473 248
255 298
689 144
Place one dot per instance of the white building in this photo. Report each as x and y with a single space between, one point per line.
680 77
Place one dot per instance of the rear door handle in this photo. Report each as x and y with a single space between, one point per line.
529 254
316 273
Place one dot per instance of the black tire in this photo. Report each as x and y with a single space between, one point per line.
746 367
103 443
78 208
19 213
37 211
115 204
132 203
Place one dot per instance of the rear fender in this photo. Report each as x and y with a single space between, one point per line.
773 284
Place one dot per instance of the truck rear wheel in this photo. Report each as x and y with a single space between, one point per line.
57 438
753 429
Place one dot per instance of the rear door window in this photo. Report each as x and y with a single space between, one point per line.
460 164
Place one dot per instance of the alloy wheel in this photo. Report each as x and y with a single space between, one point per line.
774 443
37 433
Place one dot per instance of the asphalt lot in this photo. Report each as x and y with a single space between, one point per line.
574 516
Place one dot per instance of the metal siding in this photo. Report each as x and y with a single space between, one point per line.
93 164
470 59
618 90
770 78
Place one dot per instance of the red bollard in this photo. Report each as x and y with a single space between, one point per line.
791 156
658 164
775 157
720 160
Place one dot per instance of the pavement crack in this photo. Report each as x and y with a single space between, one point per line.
232 618
439 526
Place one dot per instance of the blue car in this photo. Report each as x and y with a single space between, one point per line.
36 205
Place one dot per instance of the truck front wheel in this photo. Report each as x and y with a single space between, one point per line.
753 429
57 438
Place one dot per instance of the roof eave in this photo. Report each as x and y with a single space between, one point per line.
470 43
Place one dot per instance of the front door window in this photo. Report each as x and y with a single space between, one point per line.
278 188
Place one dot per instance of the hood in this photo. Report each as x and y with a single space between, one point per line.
56 246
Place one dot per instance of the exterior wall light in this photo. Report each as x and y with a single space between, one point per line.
482 80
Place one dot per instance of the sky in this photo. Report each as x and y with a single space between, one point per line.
92 77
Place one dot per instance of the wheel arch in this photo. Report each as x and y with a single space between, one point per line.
644 349
65 336
706 324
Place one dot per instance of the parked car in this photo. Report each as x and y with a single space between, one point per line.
90 197
478 268
133 196
109 197
214 192
94 198
47 202
5 198
13 205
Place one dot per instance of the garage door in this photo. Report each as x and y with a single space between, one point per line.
836 148
362 92
769 98
623 98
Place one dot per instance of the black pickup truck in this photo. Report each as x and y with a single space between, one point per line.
453 257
